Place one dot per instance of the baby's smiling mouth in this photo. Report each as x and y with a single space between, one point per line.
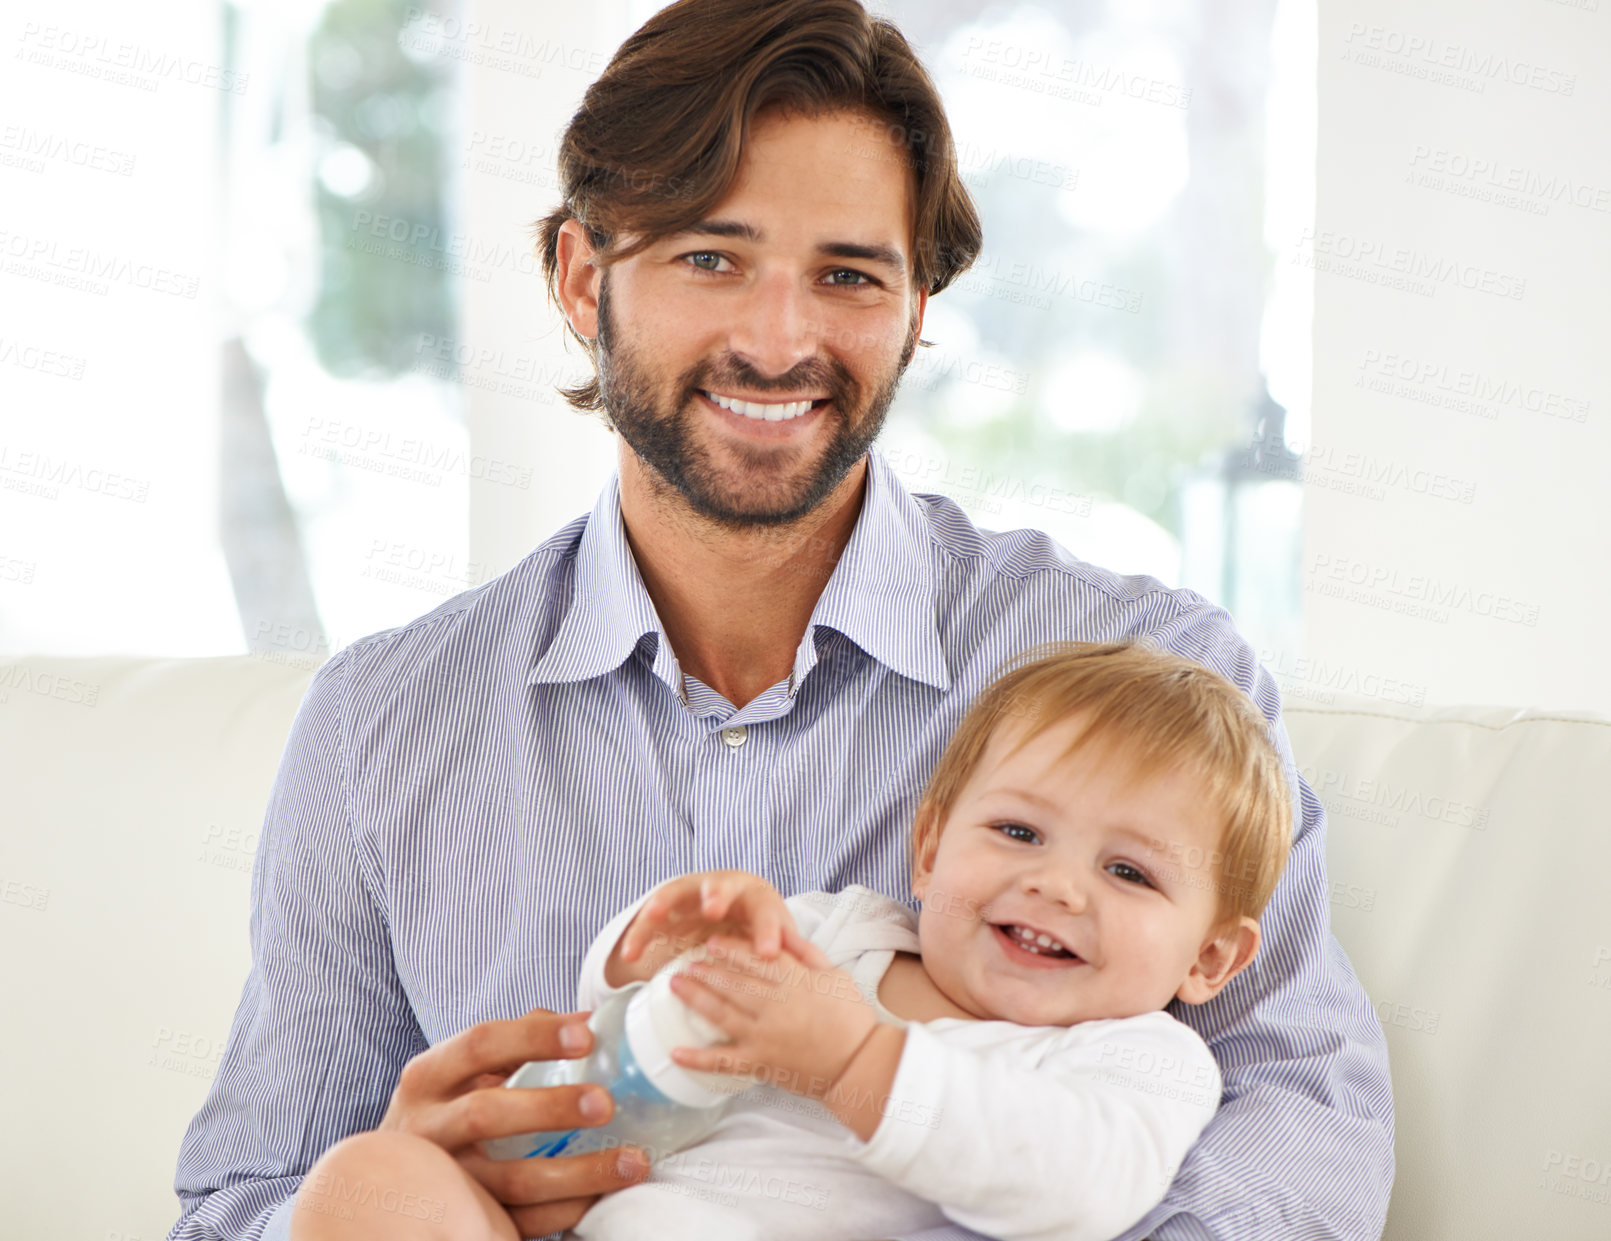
1031 940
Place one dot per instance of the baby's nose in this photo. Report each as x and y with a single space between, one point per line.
1060 887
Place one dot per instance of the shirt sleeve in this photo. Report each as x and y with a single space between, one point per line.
323 1028
1106 1119
1302 1145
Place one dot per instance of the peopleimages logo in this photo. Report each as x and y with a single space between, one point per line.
86 269
1415 594
1416 270
407 456
1440 167
1436 382
1389 800
121 62
1426 56
1073 78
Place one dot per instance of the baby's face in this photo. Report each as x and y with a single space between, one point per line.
1069 849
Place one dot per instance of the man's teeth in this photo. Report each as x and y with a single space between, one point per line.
1037 942
754 409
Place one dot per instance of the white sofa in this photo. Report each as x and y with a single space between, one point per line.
1471 886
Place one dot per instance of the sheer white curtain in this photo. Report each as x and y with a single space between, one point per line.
109 302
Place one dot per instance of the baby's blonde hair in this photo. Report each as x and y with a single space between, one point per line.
1159 713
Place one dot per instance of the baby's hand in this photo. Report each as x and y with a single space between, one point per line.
796 1022
683 913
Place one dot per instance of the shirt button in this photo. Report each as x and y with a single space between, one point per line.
735 735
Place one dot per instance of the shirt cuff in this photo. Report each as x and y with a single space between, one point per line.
912 1110
279 1223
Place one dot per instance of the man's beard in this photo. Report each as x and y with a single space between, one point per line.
767 492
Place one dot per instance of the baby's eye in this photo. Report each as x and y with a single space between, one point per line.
1123 870
1017 831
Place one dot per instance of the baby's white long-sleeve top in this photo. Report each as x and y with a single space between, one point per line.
1020 1133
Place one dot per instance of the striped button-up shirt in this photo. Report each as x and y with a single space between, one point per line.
465 800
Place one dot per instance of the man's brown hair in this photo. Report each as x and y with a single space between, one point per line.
1156 713
659 136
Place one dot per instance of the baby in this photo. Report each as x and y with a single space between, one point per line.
1098 839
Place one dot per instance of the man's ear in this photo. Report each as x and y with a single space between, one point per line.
917 330
1221 959
926 835
578 282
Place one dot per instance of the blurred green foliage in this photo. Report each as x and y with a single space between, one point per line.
370 98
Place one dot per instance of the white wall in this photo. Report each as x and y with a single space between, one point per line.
1456 537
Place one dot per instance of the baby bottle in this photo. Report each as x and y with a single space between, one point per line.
659 1105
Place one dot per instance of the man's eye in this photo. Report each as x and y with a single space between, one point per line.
705 260
1017 831
1123 870
855 277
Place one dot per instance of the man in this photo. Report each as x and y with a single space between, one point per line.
749 655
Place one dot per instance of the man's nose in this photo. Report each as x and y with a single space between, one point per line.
775 329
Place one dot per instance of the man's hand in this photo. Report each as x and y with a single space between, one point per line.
453 1095
683 913
795 1022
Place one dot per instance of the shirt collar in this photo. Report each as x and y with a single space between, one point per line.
610 610
880 595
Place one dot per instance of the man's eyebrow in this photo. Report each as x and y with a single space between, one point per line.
720 228
887 255
870 252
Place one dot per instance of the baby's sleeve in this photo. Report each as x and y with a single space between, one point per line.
591 989
813 916
1076 1141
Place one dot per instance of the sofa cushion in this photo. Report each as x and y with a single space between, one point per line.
1470 860
135 790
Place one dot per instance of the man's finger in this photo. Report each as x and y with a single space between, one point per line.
500 1112
447 1069
528 1182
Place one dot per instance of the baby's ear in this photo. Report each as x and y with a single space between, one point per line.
1221 959
925 842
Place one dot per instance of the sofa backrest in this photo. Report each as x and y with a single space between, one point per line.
1469 854
1470 851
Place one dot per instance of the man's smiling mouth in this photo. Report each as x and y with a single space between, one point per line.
764 411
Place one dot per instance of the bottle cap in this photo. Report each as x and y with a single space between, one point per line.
656 1021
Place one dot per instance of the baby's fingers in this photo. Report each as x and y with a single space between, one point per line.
766 933
718 894
719 1059
674 897
803 948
